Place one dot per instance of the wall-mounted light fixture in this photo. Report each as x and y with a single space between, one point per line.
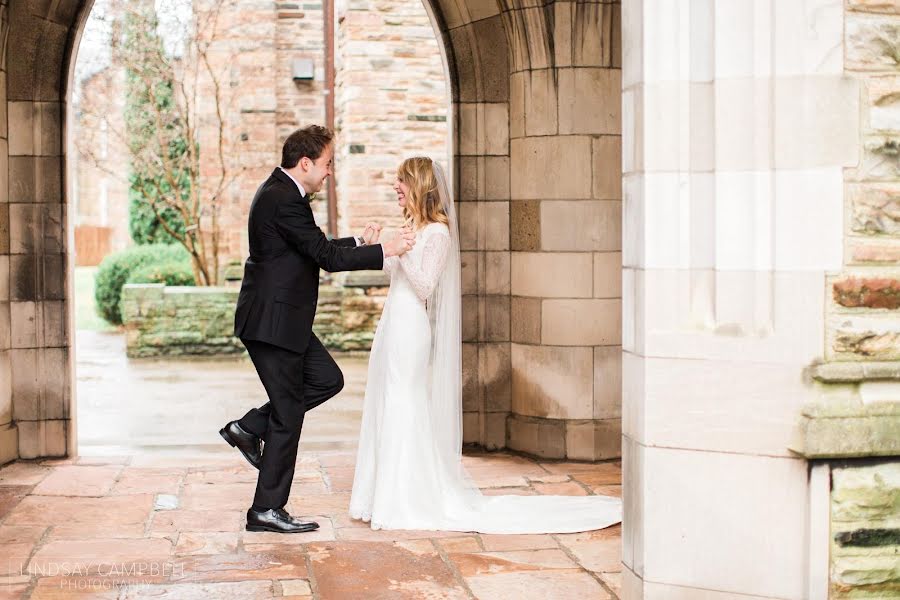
303 69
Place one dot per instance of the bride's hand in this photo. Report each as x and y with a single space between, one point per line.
371 233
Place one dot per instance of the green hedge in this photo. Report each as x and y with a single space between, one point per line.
169 273
116 270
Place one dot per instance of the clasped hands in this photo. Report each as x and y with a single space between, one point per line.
401 244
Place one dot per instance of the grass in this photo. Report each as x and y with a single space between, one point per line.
86 316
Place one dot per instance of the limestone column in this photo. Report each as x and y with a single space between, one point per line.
737 124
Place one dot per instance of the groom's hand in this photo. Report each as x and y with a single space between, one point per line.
401 244
371 233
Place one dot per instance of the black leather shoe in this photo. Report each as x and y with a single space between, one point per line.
243 440
278 521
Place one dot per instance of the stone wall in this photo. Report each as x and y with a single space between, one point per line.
865 531
199 321
391 101
865 296
177 321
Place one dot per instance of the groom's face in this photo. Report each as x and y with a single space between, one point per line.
317 171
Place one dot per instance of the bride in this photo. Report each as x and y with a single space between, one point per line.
408 469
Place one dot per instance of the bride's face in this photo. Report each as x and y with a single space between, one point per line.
402 191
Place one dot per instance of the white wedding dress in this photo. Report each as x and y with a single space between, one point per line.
408 469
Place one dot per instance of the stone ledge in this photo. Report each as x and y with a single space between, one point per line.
872 431
852 372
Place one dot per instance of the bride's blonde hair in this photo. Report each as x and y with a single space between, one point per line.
423 203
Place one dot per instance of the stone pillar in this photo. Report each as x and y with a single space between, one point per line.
35 365
8 439
479 64
737 123
565 230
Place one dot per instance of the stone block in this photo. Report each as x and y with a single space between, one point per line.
494 430
551 381
494 374
467 133
686 509
493 120
471 428
590 101
36 228
495 171
49 130
525 224
540 102
468 178
607 153
53 323
552 275
581 225
4 131
4 169
42 439
493 319
48 179
545 438
879 160
469 311
496 272
21 128
884 104
608 382
875 6
471 390
563 25
4 278
469 272
25 324
5 327
525 320
581 322
494 233
607 275
4 228
871 43
827 136
594 440
5 388
875 208
517 104
551 167
596 35
9 443
469 224
22 179
492 70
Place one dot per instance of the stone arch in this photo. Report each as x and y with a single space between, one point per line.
498 55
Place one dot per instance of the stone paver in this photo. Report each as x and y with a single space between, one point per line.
155 505
122 542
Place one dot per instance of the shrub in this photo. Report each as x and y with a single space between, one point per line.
116 269
169 273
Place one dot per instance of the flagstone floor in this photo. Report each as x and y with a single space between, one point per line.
171 527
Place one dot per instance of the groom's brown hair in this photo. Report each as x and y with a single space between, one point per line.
309 141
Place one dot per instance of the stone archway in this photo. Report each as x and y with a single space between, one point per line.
541 369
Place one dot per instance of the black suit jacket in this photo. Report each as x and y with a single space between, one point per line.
280 289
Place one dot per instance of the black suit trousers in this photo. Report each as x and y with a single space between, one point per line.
295 383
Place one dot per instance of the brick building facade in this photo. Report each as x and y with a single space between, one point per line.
391 101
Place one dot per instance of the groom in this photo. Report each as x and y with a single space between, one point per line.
274 318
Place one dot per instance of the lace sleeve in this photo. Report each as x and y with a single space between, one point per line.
390 263
424 277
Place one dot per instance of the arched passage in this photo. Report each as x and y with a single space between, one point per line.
536 171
